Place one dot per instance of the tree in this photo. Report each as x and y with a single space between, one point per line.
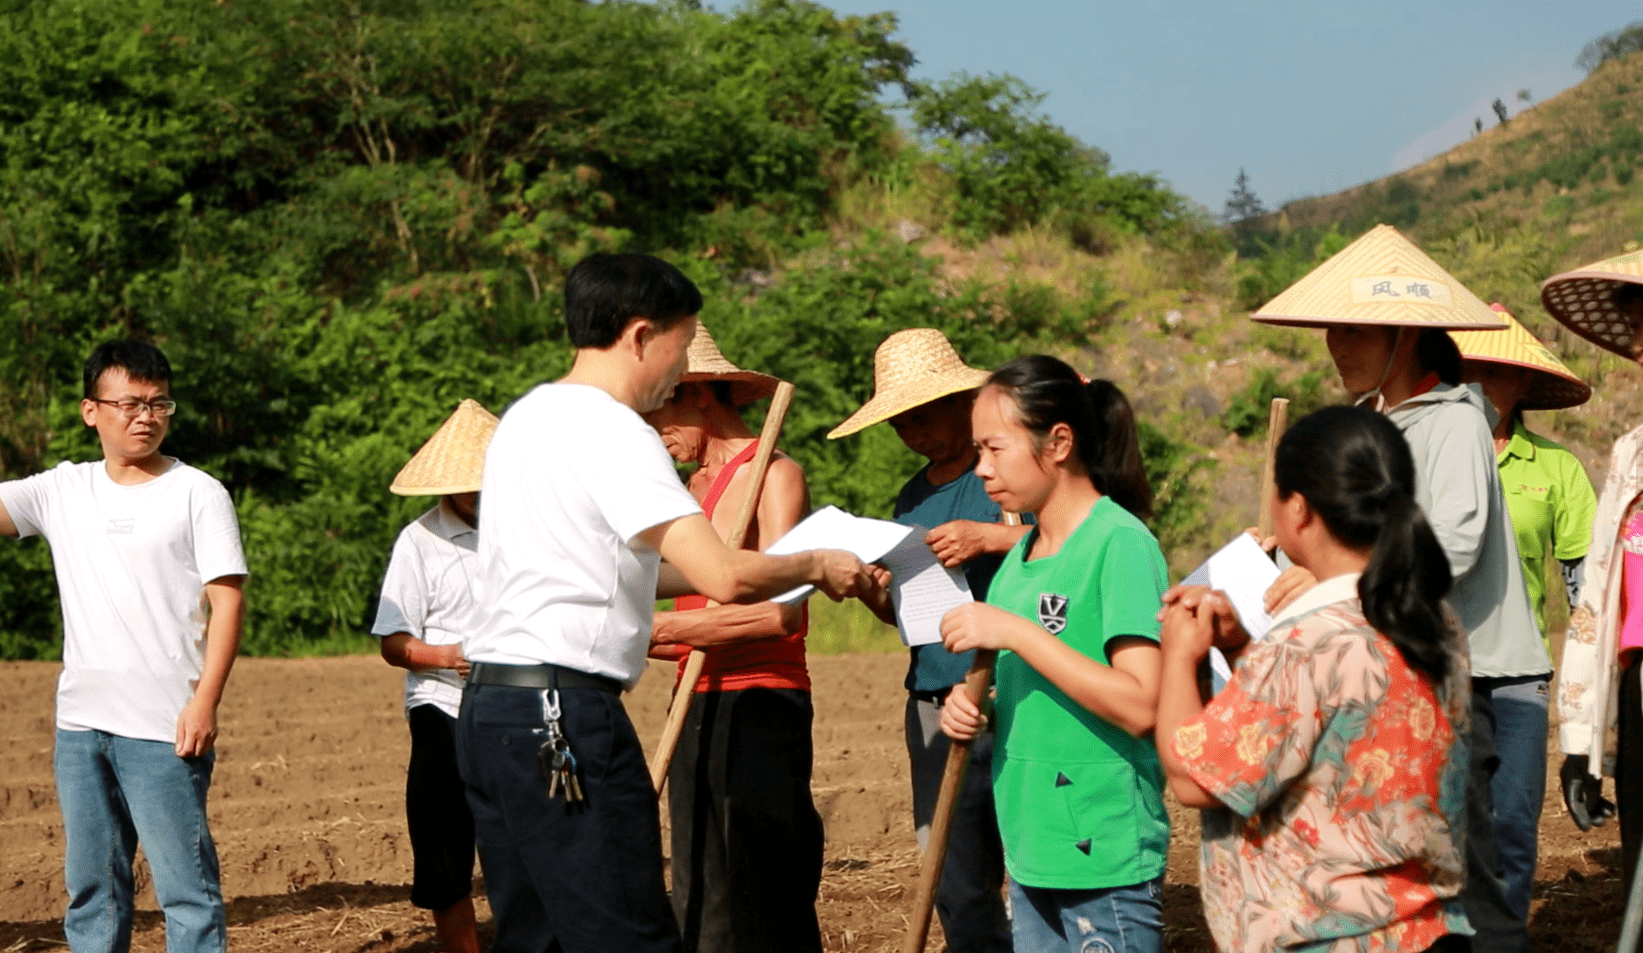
1611 46
1012 167
1477 125
1243 212
1524 96
1500 110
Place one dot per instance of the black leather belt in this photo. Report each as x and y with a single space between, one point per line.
937 697
539 676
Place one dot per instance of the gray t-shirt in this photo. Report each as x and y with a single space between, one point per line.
1457 486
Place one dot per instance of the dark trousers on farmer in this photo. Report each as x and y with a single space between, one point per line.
1628 775
1498 929
582 878
969 897
437 815
747 841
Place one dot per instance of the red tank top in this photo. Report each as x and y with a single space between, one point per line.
766 663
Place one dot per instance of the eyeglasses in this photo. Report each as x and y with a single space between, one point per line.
131 407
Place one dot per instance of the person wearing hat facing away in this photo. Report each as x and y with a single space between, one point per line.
1598 688
925 390
747 841
1551 502
151 574
582 504
1386 306
427 605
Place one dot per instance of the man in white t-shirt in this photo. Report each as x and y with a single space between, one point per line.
429 596
581 505
150 575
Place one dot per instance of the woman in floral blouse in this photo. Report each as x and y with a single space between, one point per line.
1332 768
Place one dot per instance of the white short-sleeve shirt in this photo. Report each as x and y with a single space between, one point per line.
132 563
571 478
430 593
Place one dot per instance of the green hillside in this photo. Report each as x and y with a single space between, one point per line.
340 219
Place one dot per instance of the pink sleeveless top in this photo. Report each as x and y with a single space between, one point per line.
1631 543
766 663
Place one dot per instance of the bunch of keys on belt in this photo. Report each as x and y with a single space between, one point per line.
554 757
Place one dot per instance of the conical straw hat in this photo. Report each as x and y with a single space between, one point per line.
1382 278
1584 299
1553 386
708 364
453 458
910 368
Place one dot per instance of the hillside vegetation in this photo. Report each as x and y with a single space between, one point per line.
339 219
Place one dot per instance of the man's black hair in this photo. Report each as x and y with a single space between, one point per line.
604 292
140 360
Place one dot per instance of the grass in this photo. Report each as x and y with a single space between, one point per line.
848 628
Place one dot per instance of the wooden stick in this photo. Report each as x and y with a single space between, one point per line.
773 420
1277 422
976 685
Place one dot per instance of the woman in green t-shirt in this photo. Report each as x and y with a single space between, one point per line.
1076 780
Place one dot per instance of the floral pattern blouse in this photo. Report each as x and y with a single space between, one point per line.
1343 775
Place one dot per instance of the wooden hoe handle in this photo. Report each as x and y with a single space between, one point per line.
1277 422
663 754
976 685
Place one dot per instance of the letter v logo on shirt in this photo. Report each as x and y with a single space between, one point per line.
1052 612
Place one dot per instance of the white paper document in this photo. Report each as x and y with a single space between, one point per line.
832 528
922 589
1243 571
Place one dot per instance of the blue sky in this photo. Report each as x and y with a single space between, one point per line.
1309 97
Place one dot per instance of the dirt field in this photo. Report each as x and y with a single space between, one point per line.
307 809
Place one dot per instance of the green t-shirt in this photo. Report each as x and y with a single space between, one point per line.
1080 801
1551 502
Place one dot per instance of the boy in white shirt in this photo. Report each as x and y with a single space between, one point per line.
428 601
581 505
150 575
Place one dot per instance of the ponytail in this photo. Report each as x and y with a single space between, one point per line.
1047 391
1121 466
1355 471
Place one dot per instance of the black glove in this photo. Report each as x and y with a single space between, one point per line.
1583 794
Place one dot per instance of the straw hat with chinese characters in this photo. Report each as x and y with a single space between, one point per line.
1382 278
910 368
707 364
453 459
1585 300
1553 385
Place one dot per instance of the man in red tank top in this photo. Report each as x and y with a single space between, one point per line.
747 841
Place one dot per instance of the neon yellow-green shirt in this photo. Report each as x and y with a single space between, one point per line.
1551 503
1080 801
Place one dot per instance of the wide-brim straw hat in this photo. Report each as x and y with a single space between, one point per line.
453 459
1382 279
1583 299
910 368
707 363
1553 385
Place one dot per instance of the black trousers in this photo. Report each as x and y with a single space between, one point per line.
436 812
581 878
747 841
1499 930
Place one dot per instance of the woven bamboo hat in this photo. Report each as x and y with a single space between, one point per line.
453 458
708 364
1554 386
1382 278
1584 299
910 368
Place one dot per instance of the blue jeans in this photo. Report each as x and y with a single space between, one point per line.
115 793
1519 784
1113 920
